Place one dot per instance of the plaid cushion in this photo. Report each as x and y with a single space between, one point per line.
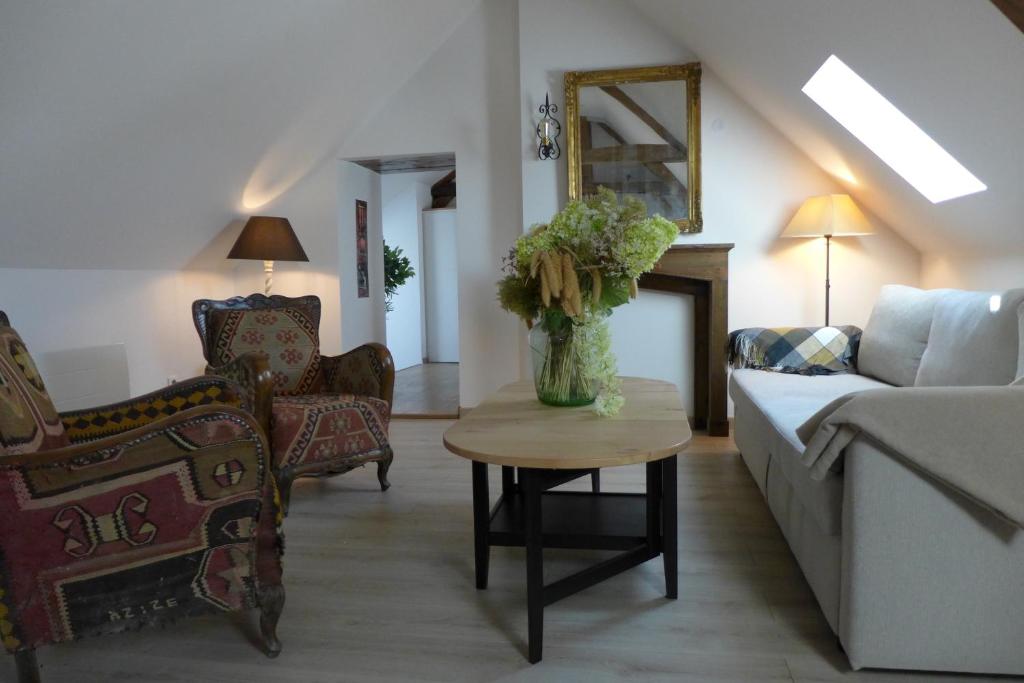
796 350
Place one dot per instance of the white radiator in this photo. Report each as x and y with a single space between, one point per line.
87 377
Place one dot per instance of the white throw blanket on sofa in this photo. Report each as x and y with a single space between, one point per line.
970 438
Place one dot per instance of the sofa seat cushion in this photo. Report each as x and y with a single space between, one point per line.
288 336
974 340
787 401
325 427
28 420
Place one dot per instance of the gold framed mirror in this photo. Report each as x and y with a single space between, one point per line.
637 132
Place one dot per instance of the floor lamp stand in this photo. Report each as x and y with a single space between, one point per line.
828 284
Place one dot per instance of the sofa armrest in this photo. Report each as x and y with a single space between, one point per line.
120 530
251 371
367 370
90 424
796 350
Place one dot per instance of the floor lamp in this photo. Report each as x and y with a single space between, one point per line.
828 216
268 239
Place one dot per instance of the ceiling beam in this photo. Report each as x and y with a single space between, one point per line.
1013 9
645 154
645 116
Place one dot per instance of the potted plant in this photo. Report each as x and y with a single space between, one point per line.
564 278
397 270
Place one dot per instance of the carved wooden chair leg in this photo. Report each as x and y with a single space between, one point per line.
382 468
271 605
284 487
28 666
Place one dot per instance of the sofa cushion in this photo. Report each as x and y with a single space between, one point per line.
974 340
28 420
896 335
1020 334
288 336
786 402
796 350
325 427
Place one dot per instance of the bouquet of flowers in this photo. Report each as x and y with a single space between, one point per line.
564 278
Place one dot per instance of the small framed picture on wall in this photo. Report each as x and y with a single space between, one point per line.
362 258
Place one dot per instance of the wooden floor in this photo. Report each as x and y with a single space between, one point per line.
380 588
427 390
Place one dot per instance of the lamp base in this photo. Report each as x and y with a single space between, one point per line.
268 282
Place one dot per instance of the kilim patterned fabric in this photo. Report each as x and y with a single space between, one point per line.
288 336
322 428
359 372
96 423
28 420
796 350
176 519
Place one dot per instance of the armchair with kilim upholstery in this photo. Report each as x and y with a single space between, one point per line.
133 514
324 415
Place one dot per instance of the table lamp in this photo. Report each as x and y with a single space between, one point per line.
828 216
268 239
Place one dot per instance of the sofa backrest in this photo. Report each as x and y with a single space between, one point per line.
896 336
975 340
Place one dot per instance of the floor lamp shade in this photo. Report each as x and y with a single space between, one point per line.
828 216
268 239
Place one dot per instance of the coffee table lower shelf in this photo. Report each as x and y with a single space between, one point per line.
528 514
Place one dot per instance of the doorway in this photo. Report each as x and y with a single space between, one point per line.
418 216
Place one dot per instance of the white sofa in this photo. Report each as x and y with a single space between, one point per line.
909 573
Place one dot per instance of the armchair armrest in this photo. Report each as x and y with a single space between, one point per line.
83 426
796 350
177 517
251 371
367 370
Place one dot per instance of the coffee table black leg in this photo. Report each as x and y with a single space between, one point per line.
481 523
669 524
532 490
654 506
508 481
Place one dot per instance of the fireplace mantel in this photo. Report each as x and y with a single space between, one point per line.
702 270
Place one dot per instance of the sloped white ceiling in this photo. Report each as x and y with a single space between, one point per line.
133 131
956 67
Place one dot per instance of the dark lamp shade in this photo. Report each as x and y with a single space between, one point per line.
268 238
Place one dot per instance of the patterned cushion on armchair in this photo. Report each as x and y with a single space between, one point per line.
288 336
320 428
28 420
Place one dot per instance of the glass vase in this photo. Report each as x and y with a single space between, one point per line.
559 373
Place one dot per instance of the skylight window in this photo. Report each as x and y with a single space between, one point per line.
887 132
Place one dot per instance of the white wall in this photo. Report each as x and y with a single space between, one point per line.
441 283
403 198
464 99
476 95
149 311
362 319
972 271
753 181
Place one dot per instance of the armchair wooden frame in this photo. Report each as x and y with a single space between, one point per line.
202 422
256 377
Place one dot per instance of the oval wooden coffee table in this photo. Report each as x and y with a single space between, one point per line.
539 447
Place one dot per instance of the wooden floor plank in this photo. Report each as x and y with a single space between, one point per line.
429 390
380 588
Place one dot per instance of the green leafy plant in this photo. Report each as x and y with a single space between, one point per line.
397 271
567 276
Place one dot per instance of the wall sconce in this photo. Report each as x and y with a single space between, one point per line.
548 131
